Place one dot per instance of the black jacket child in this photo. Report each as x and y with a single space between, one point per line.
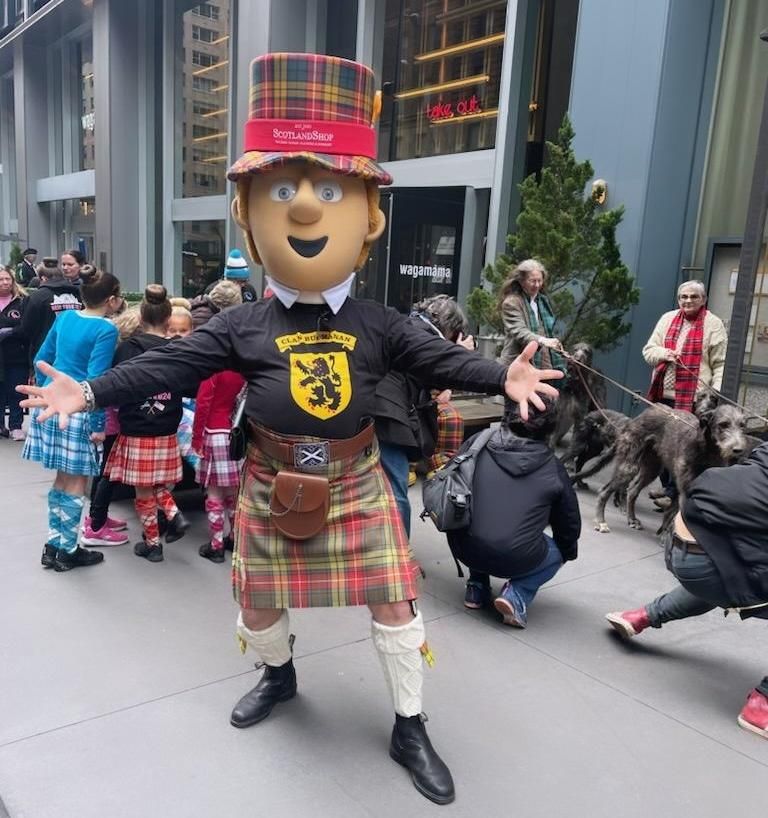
41 309
519 488
157 416
13 347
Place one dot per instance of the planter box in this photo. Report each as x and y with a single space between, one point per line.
489 346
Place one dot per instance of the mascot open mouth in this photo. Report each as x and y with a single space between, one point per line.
307 249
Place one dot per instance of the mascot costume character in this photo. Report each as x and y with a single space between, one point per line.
317 523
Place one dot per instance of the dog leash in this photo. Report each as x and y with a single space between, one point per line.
660 406
748 415
589 392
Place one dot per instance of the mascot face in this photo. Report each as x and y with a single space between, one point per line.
309 225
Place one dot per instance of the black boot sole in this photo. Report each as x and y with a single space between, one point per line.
283 698
434 798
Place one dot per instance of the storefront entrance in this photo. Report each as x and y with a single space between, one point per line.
418 255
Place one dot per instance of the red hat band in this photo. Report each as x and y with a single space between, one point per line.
321 136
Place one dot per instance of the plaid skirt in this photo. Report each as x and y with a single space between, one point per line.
68 450
144 461
215 467
361 557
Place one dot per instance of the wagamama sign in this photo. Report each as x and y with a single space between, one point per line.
433 271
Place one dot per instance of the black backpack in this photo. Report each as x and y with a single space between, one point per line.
447 495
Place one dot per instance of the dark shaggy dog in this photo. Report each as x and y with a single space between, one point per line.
574 401
594 437
681 442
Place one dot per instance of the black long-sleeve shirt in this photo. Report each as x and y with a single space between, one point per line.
308 371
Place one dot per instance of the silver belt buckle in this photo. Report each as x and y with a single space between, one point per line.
308 456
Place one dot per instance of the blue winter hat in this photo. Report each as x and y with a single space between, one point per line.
236 266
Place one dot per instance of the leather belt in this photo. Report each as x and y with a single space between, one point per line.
309 455
688 546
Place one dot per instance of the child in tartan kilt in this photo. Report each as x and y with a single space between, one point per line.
217 473
146 452
80 343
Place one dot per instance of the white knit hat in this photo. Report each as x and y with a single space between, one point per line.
236 266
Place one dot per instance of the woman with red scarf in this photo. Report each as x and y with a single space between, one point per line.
687 351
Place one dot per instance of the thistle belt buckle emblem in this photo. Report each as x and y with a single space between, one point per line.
312 455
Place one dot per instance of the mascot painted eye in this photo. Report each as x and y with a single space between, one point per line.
329 191
283 191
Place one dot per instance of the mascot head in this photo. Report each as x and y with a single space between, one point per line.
308 183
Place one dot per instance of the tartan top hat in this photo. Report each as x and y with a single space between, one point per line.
311 108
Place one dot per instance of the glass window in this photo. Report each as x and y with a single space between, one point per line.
204 99
441 76
202 255
87 141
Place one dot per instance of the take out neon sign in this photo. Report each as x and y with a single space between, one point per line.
449 110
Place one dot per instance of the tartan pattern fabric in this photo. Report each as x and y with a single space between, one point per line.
70 512
687 375
144 461
54 518
215 512
146 511
450 435
362 556
165 502
67 450
215 467
311 87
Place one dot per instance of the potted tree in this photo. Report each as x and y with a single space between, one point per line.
574 237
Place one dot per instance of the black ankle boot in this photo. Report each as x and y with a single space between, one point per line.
278 684
411 747
177 527
49 556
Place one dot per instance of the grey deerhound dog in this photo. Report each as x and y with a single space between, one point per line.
574 401
681 442
594 437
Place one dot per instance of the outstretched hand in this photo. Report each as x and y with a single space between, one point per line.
62 396
525 384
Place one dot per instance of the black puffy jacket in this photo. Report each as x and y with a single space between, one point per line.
519 488
726 509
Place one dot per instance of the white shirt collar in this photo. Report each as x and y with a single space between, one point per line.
334 297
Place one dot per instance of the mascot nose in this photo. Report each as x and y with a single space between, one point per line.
305 207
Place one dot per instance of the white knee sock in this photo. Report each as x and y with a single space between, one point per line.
399 652
271 644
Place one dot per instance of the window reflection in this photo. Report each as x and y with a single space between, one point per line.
87 159
442 75
205 98
202 255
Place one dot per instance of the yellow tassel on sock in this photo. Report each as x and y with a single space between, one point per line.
241 643
429 657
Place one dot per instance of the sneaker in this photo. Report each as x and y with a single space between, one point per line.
116 524
477 595
411 477
104 536
629 623
153 553
177 527
4 432
754 714
210 553
49 556
511 606
67 560
18 435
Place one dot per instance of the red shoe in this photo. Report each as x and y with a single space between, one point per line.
629 623
754 714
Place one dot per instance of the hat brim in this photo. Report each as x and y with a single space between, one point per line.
258 162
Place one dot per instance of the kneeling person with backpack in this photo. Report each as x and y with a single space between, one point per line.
518 489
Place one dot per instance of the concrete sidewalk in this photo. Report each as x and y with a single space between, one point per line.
117 682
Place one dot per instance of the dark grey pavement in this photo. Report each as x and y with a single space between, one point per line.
117 682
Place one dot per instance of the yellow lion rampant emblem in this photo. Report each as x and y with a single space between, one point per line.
320 382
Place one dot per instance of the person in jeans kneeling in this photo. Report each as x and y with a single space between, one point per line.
519 488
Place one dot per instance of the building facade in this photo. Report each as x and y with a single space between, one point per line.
118 120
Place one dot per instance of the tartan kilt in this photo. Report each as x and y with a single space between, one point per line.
144 461
67 450
362 555
215 467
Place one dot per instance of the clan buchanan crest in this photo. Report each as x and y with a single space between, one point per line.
320 381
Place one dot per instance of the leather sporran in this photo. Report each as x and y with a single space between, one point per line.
299 504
